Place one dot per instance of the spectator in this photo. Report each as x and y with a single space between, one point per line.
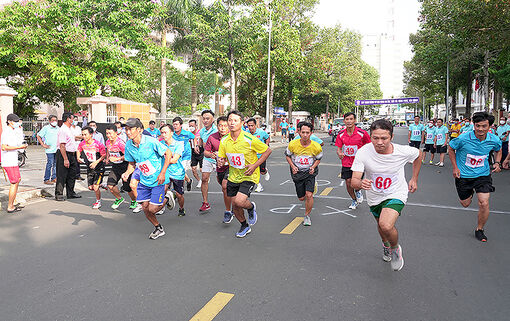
47 137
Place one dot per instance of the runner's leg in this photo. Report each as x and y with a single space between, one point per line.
350 189
308 203
205 186
226 199
483 209
239 203
386 226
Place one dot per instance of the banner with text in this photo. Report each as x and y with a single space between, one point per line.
393 101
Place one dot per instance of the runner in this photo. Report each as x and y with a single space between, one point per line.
12 141
263 137
152 158
348 141
304 156
466 126
383 163
152 130
186 137
115 149
292 131
209 163
455 128
121 131
95 153
469 156
416 131
284 125
503 130
197 152
175 171
314 137
97 135
430 135
441 141
241 149
211 150
47 137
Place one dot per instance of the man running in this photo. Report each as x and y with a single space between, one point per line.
441 141
263 137
97 135
455 128
175 171
241 149
209 164
147 153
185 136
383 163
47 137
211 150
95 153
292 131
430 135
152 130
469 154
466 126
313 137
284 125
415 136
348 141
304 156
197 152
115 150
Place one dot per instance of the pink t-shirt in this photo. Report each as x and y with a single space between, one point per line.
351 144
92 151
66 136
116 149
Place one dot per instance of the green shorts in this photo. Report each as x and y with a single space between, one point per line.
392 203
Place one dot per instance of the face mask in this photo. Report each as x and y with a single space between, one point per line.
53 123
191 128
16 124
75 122
430 124
502 122
93 128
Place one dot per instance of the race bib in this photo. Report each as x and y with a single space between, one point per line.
91 156
146 168
384 183
439 137
304 161
116 154
430 136
416 132
236 160
350 150
475 161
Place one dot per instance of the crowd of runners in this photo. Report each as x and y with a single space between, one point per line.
152 164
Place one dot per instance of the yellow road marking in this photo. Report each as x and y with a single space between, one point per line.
289 229
326 191
213 307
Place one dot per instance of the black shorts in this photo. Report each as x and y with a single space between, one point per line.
197 158
263 168
115 175
245 187
429 148
346 173
304 182
220 176
466 186
95 176
291 137
178 185
415 144
441 149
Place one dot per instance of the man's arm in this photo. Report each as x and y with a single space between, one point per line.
413 182
251 168
39 139
292 165
358 183
130 169
497 158
453 159
168 158
314 166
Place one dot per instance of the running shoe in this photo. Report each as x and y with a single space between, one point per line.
243 231
117 203
188 185
199 184
133 205
252 214
353 205
480 236
158 231
205 207
138 208
441 164
397 260
437 164
227 217
96 205
182 212
267 176
170 200
307 221
386 254
161 211
259 188
359 197
431 163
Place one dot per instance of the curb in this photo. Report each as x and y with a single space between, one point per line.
21 197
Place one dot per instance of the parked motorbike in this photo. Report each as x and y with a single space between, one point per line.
22 156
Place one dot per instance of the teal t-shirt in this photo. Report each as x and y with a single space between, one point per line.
49 135
501 131
416 131
472 155
441 133
430 133
176 171
149 157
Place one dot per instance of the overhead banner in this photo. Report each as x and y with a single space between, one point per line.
393 101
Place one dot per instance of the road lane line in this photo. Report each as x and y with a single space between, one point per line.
289 229
326 191
213 307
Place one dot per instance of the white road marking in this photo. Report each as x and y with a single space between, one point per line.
284 210
337 211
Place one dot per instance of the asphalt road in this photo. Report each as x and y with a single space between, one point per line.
66 261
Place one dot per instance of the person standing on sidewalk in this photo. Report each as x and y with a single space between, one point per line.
47 137
76 130
11 142
67 165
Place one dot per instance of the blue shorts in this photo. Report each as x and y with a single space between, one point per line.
155 195
136 174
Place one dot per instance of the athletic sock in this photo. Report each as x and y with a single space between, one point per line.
244 224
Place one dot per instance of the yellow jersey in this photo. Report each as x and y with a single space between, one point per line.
455 129
303 157
239 154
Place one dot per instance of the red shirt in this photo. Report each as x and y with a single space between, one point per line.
213 145
351 144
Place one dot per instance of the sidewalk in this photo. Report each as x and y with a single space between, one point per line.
32 174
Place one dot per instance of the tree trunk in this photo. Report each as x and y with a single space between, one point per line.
486 80
271 95
469 90
163 78
194 96
327 110
289 96
454 104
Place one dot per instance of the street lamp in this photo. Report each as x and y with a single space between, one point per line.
268 110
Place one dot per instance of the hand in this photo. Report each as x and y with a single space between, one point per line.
250 169
505 164
220 161
456 173
294 169
24 146
93 164
114 159
45 146
497 168
66 163
341 155
366 184
311 170
161 178
80 160
197 150
124 176
435 146
413 186
215 156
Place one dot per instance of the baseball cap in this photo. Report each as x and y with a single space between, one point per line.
13 117
134 122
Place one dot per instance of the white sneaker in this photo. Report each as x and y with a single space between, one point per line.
161 211
441 164
259 188
199 184
359 197
96 205
138 208
307 221
397 260
353 205
437 164
170 200
267 176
